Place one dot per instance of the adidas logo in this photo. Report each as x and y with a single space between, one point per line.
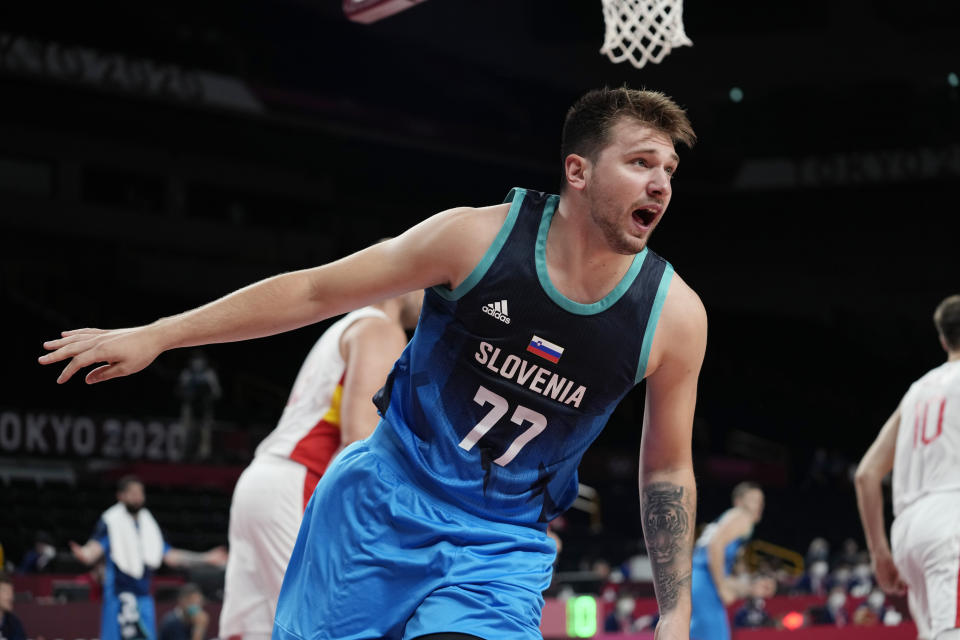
498 310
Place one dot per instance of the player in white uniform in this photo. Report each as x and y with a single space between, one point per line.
921 443
329 407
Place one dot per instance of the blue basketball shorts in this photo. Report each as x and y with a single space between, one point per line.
377 557
708 617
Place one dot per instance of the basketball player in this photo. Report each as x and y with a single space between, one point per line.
921 443
129 541
540 314
713 558
329 407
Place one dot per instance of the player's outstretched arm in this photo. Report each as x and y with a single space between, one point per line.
667 489
436 251
877 462
89 553
184 559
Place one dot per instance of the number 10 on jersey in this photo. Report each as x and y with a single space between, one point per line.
500 407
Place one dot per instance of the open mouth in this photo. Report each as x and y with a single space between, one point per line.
645 217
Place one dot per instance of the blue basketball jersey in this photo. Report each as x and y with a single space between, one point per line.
128 609
506 382
730 552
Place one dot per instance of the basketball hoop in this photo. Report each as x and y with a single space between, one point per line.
642 31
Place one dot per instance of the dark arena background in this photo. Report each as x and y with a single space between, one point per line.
155 156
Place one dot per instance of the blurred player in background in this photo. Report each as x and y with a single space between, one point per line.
329 407
921 444
128 538
713 559
541 314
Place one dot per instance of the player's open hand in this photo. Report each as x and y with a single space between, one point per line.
888 577
119 352
730 590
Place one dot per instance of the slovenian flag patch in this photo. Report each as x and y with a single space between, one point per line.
544 349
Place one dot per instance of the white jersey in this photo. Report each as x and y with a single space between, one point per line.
309 429
927 458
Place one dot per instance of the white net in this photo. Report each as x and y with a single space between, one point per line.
642 31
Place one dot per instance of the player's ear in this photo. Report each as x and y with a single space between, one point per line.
576 169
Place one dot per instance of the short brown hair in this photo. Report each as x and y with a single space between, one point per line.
741 489
586 129
947 319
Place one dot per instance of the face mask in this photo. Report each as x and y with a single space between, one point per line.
192 610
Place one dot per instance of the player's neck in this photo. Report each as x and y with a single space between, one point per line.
580 263
953 356
576 240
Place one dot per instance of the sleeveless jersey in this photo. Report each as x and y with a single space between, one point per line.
309 429
927 458
506 382
700 559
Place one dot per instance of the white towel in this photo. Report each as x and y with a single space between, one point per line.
135 541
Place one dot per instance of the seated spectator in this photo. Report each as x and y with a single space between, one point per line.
836 610
814 581
611 580
862 582
875 610
620 618
842 577
866 616
10 627
753 614
188 620
36 559
623 619
849 553
832 613
819 549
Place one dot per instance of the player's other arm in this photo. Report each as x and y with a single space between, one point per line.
734 525
370 346
89 553
667 489
181 558
877 462
440 250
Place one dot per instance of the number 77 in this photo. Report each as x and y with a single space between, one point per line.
538 422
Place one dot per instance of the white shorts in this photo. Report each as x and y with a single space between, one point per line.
265 516
926 549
